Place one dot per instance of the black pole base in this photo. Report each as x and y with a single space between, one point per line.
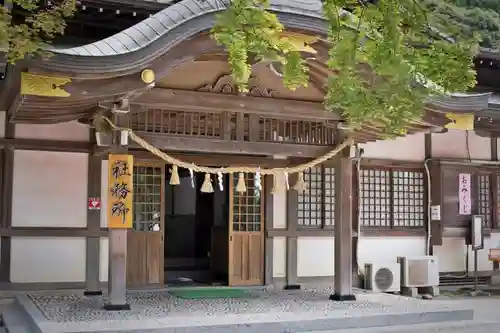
292 287
92 293
342 298
116 307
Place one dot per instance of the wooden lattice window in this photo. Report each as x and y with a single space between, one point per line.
408 188
247 210
392 198
147 200
316 206
484 206
375 198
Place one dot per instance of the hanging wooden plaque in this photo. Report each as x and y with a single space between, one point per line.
120 191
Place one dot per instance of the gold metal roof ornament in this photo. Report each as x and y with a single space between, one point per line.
460 121
300 42
148 76
42 85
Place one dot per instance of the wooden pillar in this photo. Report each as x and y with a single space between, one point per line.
494 186
494 148
343 228
117 269
269 224
92 281
7 184
9 102
292 197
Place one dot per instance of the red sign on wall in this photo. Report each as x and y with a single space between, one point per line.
94 204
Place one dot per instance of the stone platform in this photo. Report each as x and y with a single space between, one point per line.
264 311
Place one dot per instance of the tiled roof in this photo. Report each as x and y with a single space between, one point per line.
151 29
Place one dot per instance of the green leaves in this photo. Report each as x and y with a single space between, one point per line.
247 28
42 23
379 54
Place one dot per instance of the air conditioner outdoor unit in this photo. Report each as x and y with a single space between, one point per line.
382 277
419 271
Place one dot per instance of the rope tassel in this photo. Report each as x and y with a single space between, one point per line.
207 186
276 185
300 185
174 178
240 186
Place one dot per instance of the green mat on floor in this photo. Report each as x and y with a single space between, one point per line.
199 293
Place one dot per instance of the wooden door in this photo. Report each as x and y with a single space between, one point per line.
246 233
145 241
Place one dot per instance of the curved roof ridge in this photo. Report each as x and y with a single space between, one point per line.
462 102
151 29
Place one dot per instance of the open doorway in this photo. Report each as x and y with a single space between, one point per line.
196 232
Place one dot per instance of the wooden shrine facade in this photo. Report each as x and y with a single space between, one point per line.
173 81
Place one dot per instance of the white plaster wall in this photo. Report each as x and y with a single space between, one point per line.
103 259
279 205
452 144
69 131
47 259
452 254
279 257
315 256
409 148
388 249
49 189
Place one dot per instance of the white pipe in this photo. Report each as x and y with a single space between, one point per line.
429 207
467 162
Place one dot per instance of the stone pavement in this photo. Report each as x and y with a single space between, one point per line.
266 311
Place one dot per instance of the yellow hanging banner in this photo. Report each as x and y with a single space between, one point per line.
120 191
460 121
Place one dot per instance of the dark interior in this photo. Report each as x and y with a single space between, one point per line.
196 232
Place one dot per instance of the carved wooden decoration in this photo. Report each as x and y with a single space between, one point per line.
224 84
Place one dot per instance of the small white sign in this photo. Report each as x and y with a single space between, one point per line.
436 213
464 194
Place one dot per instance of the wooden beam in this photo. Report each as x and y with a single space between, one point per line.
330 232
46 145
196 101
215 146
214 159
52 232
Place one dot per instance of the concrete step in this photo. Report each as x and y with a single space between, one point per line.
460 327
469 327
14 320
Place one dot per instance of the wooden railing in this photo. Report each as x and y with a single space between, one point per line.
235 126
199 124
